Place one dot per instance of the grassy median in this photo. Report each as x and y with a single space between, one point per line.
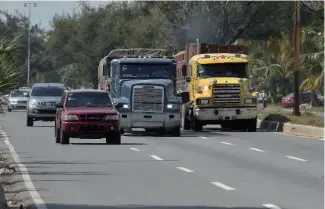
309 116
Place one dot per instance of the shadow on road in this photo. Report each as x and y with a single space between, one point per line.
108 144
64 206
43 126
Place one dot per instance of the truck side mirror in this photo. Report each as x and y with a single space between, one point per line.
184 71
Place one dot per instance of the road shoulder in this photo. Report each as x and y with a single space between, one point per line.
13 190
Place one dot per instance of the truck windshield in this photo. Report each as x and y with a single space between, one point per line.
47 91
146 70
237 70
88 99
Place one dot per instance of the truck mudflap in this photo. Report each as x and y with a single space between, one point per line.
220 114
167 121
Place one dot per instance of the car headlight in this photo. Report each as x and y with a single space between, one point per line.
250 101
112 117
13 101
204 101
172 106
71 117
126 106
32 103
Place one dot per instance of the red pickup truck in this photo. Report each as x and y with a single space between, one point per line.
87 114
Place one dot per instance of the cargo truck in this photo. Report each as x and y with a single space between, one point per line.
213 82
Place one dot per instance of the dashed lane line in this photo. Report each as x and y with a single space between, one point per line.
185 169
155 157
257 150
223 186
271 206
134 149
296 158
227 143
203 137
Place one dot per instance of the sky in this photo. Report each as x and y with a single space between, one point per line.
45 10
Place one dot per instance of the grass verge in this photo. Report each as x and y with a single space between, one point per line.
308 117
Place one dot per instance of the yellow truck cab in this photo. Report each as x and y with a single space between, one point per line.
218 89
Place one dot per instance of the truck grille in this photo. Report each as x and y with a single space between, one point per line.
91 117
226 93
148 98
22 102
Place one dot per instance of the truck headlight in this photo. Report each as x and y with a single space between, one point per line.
126 106
172 106
112 117
206 88
204 101
71 117
250 101
32 103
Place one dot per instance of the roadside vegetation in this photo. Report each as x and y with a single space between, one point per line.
71 50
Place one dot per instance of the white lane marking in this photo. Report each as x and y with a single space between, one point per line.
135 149
271 206
255 149
203 137
223 186
226 143
156 157
28 182
185 169
296 158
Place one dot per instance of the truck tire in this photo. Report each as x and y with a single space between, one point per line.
251 125
30 121
64 138
185 124
57 134
9 110
197 126
176 132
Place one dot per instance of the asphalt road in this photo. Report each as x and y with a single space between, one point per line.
206 170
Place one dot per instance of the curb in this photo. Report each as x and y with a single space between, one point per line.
289 128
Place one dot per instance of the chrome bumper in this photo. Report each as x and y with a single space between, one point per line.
150 120
212 114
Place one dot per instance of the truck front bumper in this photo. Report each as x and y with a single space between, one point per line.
225 114
41 114
168 121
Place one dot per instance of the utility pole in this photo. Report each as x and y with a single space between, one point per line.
296 82
29 24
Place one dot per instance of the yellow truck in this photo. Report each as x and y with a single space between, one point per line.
214 84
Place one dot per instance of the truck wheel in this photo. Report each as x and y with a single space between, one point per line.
251 125
185 121
30 121
176 132
64 138
9 110
114 138
197 126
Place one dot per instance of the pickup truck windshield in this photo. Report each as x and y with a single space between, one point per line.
238 70
147 70
47 91
88 99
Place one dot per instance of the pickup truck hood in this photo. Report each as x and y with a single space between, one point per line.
91 110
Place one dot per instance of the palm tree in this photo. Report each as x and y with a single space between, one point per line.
312 62
9 74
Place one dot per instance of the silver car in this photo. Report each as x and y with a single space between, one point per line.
42 100
17 99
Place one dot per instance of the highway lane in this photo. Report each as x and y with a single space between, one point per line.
224 169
